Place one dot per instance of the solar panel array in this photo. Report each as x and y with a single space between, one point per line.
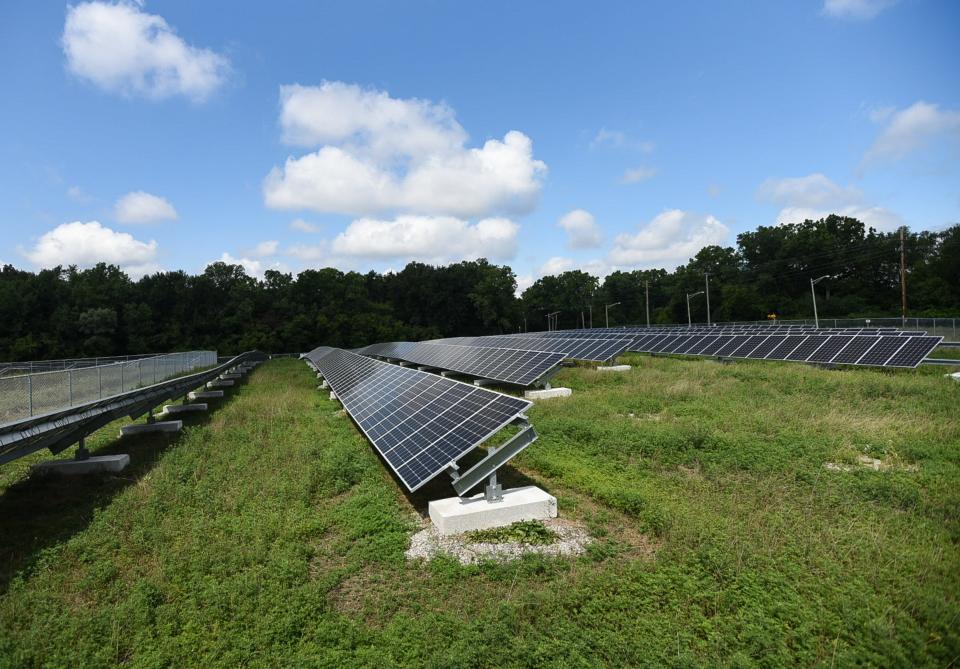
894 350
508 365
575 348
420 423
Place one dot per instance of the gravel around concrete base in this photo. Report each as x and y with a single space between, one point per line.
428 543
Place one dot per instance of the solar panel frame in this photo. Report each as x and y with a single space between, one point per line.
808 347
913 352
830 348
882 351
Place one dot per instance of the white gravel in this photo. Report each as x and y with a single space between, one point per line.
429 543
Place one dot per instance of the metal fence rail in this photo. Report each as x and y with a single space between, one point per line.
40 393
948 328
33 366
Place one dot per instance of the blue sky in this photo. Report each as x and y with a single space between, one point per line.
167 134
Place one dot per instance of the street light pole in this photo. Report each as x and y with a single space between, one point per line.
813 293
646 290
689 295
606 312
706 278
590 307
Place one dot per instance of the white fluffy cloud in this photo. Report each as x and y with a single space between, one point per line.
121 48
380 154
428 238
140 207
855 9
669 240
620 140
582 229
638 174
815 196
911 129
86 244
264 249
301 225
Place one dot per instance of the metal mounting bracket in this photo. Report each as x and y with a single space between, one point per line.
496 457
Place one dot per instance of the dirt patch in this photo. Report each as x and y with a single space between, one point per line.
572 539
876 464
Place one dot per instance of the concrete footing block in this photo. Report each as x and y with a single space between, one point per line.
171 409
204 394
481 382
319 376
158 426
324 385
547 394
333 395
219 384
231 376
614 368
95 464
955 376
465 514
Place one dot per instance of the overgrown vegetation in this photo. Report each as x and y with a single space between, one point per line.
100 311
269 534
529 532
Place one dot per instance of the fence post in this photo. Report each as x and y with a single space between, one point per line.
30 391
99 382
70 386
140 373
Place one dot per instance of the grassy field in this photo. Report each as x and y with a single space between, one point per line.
269 534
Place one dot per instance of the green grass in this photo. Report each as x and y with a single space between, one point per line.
530 532
268 534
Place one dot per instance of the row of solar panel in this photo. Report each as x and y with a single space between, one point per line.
883 351
420 423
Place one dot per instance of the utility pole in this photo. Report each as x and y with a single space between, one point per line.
646 290
814 282
903 276
706 277
606 312
689 295
590 307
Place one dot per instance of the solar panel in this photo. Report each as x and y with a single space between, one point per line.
855 349
883 350
715 345
764 349
786 347
831 347
499 364
699 346
599 350
420 423
914 351
732 343
807 348
746 347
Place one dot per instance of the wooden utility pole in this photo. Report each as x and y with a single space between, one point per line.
646 290
903 276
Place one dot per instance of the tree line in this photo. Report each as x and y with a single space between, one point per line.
71 312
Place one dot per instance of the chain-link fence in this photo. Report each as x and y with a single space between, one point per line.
33 366
42 392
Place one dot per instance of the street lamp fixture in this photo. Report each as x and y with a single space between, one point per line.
606 312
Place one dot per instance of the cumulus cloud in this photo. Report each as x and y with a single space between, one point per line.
379 154
637 175
815 196
140 207
912 129
264 249
855 9
122 49
669 240
582 229
86 244
301 225
619 140
428 238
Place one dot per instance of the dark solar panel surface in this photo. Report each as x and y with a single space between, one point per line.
807 348
914 351
882 351
598 350
420 423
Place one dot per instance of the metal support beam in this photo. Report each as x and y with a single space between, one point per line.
486 468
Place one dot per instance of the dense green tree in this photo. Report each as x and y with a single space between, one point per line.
68 312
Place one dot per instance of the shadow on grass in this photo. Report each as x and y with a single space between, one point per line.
42 511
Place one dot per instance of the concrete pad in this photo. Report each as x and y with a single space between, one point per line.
319 375
614 368
333 395
955 376
95 464
159 426
171 409
324 385
482 382
204 394
547 394
228 376
465 514
219 384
